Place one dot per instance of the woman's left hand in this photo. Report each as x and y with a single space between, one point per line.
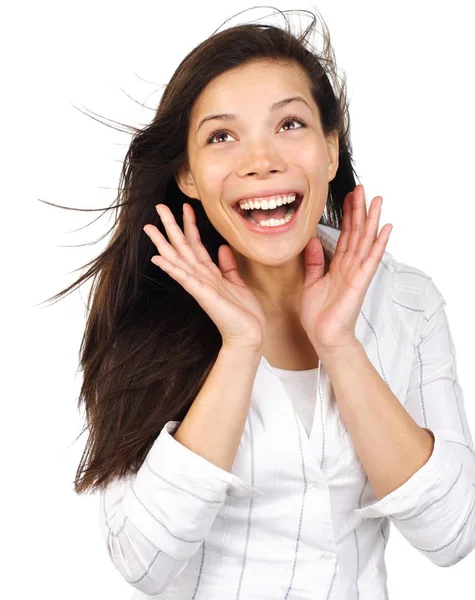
331 303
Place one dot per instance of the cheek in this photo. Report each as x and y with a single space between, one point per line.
312 159
213 170
215 183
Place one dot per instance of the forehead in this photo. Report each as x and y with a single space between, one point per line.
254 84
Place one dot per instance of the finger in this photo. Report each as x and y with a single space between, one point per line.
228 265
163 246
344 236
370 265
204 294
314 261
358 219
192 234
176 235
371 228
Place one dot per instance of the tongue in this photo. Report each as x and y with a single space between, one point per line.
262 215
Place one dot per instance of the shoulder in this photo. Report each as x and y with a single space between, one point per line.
411 287
412 293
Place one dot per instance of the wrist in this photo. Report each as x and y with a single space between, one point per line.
346 349
251 352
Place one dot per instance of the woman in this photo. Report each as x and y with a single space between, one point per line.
264 398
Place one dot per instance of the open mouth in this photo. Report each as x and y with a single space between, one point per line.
273 217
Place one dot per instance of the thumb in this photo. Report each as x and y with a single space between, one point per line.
314 261
228 265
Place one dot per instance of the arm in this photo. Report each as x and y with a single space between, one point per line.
389 443
141 564
428 492
214 424
153 522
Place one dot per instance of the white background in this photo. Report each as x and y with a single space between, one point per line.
409 68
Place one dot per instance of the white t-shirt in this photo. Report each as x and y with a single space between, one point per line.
301 386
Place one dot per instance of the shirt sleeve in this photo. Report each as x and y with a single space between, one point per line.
155 520
435 508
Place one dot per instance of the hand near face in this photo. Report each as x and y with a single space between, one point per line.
219 290
331 303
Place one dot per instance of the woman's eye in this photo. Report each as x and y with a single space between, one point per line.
294 120
221 132
216 134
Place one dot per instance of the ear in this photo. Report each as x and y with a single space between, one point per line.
185 182
332 151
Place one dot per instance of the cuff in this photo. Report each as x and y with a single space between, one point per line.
177 494
193 468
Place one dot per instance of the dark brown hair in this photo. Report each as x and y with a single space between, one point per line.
148 346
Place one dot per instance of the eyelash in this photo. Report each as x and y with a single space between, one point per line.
287 120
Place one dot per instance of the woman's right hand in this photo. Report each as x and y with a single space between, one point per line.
221 292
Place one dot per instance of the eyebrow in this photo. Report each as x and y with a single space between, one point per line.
273 107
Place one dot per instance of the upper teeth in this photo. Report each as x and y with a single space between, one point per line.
271 202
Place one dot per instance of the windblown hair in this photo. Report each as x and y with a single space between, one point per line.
148 346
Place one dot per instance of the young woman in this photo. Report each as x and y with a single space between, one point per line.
266 387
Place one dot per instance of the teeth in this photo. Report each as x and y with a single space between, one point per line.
273 222
268 204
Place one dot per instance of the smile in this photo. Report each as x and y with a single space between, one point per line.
267 224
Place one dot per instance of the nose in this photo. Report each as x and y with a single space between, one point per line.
261 159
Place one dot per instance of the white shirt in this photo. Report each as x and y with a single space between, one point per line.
296 517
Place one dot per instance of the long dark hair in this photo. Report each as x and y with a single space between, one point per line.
148 346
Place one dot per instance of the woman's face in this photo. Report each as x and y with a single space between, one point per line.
257 150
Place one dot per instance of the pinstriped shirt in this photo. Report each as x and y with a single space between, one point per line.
296 518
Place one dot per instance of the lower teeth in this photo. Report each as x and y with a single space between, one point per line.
273 222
